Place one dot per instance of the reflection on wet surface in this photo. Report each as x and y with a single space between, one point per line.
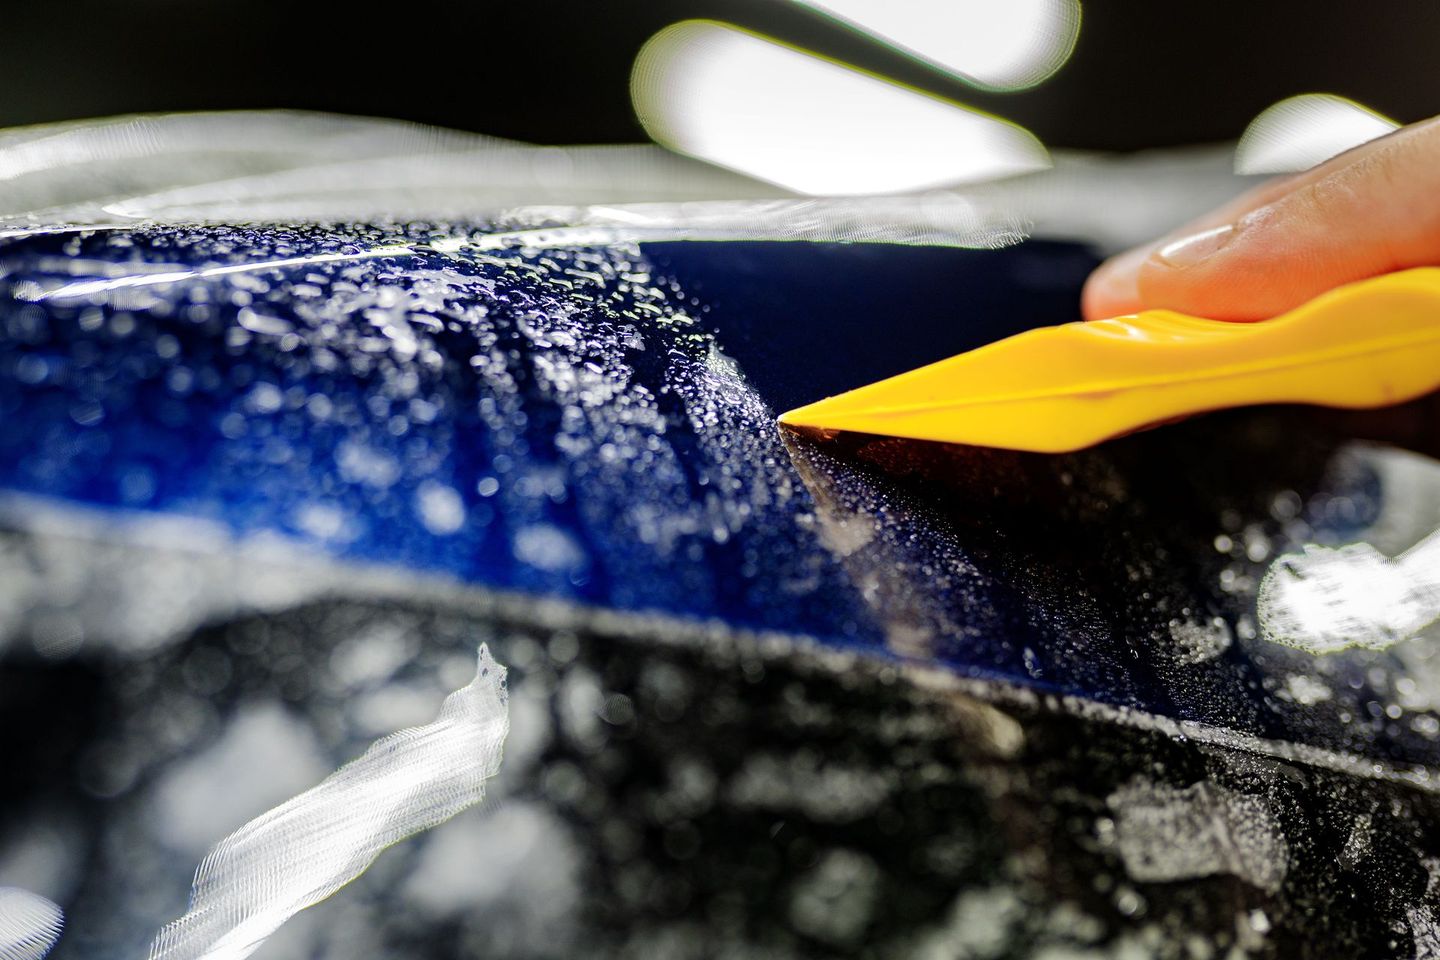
572 423
1382 588
1129 573
772 696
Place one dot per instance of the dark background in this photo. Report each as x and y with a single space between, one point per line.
1144 73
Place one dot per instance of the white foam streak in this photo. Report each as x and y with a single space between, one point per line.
938 219
29 924
246 166
304 850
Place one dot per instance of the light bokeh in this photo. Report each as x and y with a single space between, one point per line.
1006 45
1299 132
812 125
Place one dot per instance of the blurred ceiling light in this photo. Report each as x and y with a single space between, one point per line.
996 44
1299 132
812 125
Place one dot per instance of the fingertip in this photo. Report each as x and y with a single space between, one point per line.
1271 260
1114 288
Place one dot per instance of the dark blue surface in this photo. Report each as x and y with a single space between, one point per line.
805 321
169 406
598 425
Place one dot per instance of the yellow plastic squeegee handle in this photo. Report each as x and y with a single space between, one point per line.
1056 389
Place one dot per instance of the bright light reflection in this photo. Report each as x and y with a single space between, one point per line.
1297 133
1374 593
1000 44
1323 599
88 288
812 125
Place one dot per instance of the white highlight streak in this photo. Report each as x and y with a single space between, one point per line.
87 288
309 847
29 924
933 219
1299 132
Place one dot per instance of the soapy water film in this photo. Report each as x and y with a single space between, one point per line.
294 167
1096 566
918 616
918 573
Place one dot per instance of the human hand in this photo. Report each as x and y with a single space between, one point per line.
1369 211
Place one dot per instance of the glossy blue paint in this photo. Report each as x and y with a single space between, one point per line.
598 425
232 397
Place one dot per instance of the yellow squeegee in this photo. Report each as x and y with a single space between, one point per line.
1055 389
